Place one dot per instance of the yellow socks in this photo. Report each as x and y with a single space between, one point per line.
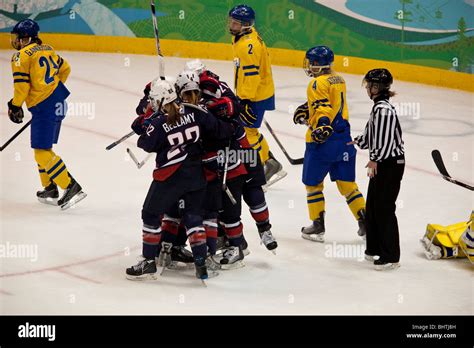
51 168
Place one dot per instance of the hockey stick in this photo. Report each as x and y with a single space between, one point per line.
161 72
161 62
135 160
161 68
15 135
438 160
225 188
294 161
122 139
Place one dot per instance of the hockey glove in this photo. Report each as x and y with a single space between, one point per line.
142 105
15 112
322 133
301 114
247 116
141 123
222 107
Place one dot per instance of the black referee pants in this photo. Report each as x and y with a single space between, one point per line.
382 225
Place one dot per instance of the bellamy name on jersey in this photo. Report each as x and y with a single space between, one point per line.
174 143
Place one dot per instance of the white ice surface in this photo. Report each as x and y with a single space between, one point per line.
83 252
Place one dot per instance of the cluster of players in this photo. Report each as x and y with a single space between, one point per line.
205 168
211 155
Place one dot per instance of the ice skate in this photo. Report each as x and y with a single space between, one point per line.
212 263
273 171
268 240
143 270
49 195
72 195
164 260
315 232
370 257
385 266
232 258
181 258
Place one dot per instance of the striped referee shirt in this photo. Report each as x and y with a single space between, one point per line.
382 134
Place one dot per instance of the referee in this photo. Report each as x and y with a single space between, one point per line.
383 138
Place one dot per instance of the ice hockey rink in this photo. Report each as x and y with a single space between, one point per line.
78 257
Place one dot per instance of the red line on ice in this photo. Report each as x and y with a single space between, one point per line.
61 267
60 270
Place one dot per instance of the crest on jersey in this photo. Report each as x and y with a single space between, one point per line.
16 58
237 62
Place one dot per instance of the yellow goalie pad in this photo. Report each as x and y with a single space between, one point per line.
447 236
451 241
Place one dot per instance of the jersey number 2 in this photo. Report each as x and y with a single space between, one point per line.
250 49
43 62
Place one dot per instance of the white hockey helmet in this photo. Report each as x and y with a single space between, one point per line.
161 93
195 65
187 80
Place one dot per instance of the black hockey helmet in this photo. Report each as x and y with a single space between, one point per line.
382 77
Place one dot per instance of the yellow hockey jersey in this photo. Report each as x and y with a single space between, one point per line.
326 98
37 70
253 71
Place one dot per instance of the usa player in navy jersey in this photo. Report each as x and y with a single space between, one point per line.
187 85
175 135
171 220
220 100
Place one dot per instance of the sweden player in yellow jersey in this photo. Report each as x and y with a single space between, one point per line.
39 75
326 115
253 83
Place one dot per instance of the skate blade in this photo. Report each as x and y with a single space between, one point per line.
74 200
369 258
313 237
179 266
203 282
389 267
271 250
212 273
274 179
144 277
163 264
162 270
235 265
49 201
213 264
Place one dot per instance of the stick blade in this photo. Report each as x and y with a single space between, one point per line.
438 160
